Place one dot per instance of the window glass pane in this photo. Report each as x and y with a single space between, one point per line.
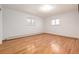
57 21
28 20
53 22
32 21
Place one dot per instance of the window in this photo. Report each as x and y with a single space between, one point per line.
55 22
30 21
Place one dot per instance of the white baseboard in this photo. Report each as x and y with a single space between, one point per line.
72 36
18 36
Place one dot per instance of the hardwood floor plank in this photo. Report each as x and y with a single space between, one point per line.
41 44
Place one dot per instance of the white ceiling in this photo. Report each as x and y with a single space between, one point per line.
35 9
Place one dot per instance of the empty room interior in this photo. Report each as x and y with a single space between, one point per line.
39 29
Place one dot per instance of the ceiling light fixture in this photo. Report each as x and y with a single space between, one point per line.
46 8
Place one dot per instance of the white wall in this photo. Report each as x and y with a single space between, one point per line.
1 26
69 25
15 24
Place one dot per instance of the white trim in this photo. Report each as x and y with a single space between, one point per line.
18 36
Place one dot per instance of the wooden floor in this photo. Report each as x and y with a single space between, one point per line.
41 44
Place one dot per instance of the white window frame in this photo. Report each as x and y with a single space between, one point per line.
55 22
30 21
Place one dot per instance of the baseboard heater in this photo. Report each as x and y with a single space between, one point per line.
21 36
